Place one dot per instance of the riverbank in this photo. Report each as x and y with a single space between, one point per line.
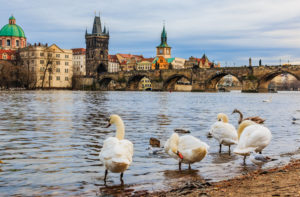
281 181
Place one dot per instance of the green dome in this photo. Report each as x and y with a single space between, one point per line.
12 18
12 30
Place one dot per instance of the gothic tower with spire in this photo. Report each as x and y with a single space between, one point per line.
96 49
163 49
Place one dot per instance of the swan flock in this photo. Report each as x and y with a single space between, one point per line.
251 137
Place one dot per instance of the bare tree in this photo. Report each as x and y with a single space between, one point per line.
49 66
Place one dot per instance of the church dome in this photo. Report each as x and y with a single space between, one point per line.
12 29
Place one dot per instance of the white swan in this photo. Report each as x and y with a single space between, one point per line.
252 137
187 149
268 100
224 132
116 153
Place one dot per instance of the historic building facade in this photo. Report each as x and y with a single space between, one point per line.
12 37
113 64
97 49
163 58
50 67
163 50
79 62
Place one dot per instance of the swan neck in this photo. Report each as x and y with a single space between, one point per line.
242 126
120 133
241 116
174 141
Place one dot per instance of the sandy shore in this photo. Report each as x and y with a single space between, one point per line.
282 181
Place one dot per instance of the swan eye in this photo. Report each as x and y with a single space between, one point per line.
219 119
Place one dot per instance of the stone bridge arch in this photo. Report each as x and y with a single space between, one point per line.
169 84
104 83
133 81
264 81
211 83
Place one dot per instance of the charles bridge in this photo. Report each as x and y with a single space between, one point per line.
253 79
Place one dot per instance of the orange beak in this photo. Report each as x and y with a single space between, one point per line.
179 155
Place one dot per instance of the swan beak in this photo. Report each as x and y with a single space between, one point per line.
1 161
108 125
179 155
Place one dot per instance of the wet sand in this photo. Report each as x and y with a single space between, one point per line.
281 181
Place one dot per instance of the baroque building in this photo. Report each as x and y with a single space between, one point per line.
49 66
12 37
97 49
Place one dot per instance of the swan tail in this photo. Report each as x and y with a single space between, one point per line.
244 151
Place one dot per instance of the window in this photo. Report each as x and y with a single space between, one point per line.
49 54
66 70
57 62
32 69
4 56
57 78
32 54
42 61
57 55
32 61
17 43
66 63
0 43
66 78
41 77
42 69
58 70
66 56
42 54
8 43
50 77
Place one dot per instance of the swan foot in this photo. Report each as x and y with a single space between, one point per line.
179 165
220 148
190 166
106 172
121 179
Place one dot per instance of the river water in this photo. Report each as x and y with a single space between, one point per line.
50 140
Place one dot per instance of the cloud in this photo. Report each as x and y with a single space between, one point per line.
227 31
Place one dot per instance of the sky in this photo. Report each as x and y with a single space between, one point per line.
227 31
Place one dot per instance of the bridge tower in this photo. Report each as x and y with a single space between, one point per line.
96 49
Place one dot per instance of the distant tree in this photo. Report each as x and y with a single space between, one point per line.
49 66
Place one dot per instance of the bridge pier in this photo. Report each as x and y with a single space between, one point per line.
249 86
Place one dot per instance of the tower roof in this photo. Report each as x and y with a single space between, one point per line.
97 25
163 42
12 29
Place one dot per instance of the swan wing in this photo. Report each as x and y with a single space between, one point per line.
225 133
254 137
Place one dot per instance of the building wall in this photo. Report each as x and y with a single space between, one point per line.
14 42
113 67
163 52
144 65
178 63
43 59
79 65
145 84
161 62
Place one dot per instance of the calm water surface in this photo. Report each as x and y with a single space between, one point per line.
50 140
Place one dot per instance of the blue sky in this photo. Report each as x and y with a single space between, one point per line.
228 31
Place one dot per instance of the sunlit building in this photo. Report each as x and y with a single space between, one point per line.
113 64
145 84
51 67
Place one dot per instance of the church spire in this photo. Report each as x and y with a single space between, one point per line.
163 42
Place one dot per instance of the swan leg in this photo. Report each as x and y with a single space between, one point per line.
220 148
121 178
106 172
190 166
244 160
229 150
179 165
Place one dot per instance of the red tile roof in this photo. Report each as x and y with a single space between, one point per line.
78 51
